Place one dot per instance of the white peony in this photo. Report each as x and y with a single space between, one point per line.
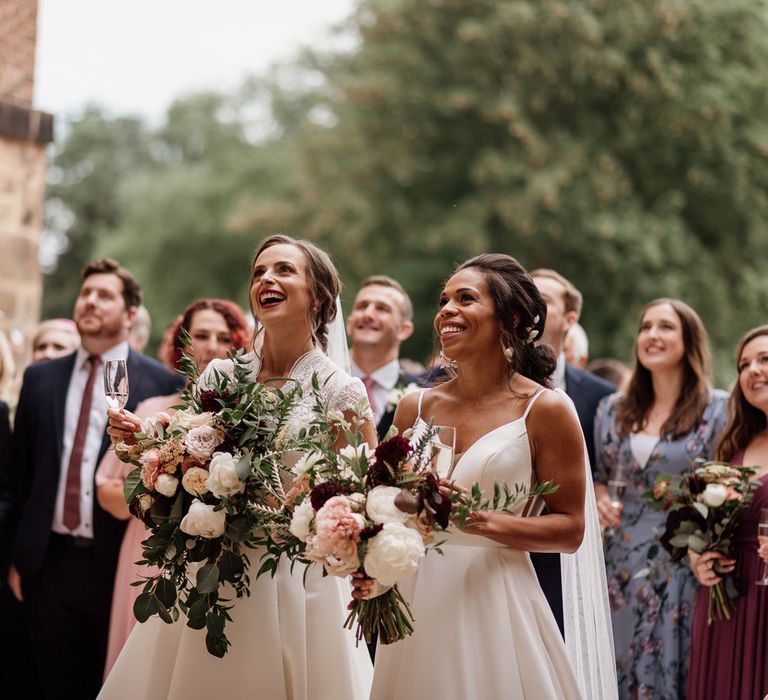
188 419
306 462
223 480
203 521
202 440
302 520
167 485
381 506
393 554
194 480
714 495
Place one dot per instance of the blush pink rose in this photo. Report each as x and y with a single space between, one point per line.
150 468
337 529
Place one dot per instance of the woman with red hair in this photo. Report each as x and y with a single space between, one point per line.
215 327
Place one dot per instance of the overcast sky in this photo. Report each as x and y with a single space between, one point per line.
137 56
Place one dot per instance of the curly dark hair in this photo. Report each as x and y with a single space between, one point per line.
520 309
233 316
131 288
322 278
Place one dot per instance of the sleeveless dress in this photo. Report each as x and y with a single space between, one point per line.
288 640
483 628
729 658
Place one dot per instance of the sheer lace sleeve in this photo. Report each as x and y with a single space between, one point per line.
346 394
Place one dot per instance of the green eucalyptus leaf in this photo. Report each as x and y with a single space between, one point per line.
208 579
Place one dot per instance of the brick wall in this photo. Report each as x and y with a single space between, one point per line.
18 34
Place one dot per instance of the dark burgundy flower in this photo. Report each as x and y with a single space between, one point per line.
322 493
393 451
367 532
379 474
674 520
210 398
436 506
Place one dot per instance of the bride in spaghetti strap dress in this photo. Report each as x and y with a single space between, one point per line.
483 628
288 640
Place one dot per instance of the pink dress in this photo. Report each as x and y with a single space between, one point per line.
112 471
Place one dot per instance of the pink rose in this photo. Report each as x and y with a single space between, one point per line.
202 440
150 468
337 530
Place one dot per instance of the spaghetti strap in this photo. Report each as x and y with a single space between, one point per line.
418 405
531 402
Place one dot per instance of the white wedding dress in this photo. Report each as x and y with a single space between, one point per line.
288 641
483 628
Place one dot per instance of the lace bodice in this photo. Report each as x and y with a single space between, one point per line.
339 391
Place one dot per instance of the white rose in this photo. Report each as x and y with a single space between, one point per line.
194 481
202 440
305 463
302 520
202 520
714 495
393 554
223 480
351 452
381 506
166 485
188 419
145 502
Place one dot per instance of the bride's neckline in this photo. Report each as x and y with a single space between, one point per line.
294 367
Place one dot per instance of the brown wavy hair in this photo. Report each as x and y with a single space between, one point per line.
744 420
322 279
632 406
232 314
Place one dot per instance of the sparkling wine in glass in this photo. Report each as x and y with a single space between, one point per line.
762 538
616 490
443 449
116 383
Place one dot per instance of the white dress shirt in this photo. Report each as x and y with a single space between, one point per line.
97 422
385 378
558 376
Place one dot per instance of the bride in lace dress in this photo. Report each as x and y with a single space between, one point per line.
483 628
288 640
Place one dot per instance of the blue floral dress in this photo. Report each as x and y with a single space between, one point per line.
651 597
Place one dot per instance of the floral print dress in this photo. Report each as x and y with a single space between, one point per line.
651 597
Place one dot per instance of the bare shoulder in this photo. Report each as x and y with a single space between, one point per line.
407 411
553 409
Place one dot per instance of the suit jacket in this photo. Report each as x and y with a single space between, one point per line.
38 444
585 390
403 380
6 479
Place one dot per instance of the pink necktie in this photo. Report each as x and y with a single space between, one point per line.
72 488
369 383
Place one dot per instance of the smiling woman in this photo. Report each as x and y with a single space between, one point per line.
668 417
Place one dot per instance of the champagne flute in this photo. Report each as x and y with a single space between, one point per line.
616 489
762 538
443 449
116 383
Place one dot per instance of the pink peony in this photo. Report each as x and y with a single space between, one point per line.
202 440
337 529
150 468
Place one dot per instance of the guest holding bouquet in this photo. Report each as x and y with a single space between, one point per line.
668 417
215 327
483 628
729 658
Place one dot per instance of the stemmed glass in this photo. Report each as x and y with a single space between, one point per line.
443 449
762 538
617 487
116 383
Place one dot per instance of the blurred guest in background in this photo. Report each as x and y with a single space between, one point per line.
611 370
729 658
668 417
576 346
584 389
380 320
138 336
54 338
215 327
7 371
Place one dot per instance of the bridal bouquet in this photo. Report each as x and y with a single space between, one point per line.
704 508
372 511
199 473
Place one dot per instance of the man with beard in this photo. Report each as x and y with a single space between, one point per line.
585 390
381 319
66 546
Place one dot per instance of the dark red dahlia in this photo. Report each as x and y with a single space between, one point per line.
393 451
210 400
322 493
379 474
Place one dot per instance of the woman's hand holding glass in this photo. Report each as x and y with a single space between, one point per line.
122 425
607 509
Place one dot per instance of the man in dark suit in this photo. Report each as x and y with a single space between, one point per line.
585 390
66 546
380 320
